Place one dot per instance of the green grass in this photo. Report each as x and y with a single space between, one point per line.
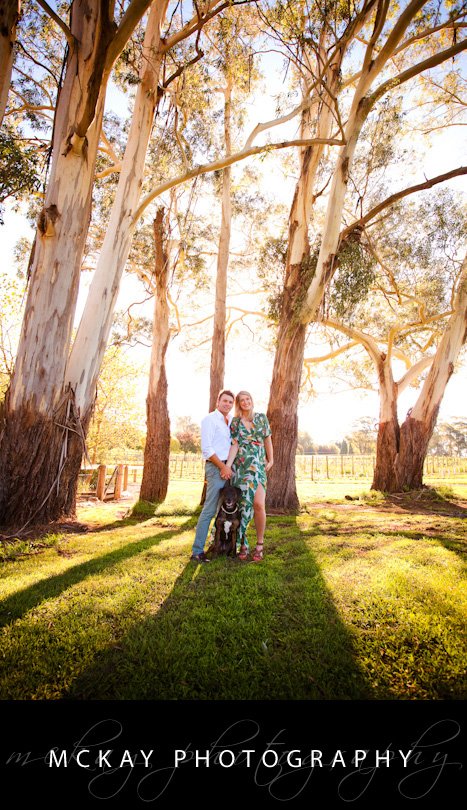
354 600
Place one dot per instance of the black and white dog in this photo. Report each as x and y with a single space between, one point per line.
227 522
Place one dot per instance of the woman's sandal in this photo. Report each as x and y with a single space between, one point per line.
243 554
258 554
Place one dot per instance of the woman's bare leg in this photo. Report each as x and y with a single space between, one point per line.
259 505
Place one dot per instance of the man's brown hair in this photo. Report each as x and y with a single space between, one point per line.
225 391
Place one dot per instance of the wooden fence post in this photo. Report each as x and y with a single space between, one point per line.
118 482
125 478
101 471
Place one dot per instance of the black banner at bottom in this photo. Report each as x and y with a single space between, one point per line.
271 753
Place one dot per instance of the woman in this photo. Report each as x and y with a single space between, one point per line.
253 455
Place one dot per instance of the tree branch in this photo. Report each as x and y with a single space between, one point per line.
277 121
199 20
114 169
427 64
222 163
69 36
38 84
129 21
413 373
367 341
448 24
331 355
30 108
399 195
396 34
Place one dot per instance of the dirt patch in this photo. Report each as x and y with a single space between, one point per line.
414 503
20 532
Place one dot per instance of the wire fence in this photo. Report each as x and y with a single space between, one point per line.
190 467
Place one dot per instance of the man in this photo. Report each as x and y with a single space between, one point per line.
215 446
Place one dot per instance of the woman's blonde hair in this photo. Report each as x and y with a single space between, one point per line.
238 410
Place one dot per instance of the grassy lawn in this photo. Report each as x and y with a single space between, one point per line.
355 599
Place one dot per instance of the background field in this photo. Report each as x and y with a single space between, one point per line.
355 599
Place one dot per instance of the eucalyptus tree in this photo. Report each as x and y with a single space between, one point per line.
174 266
37 402
154 146
10 11
87 351
48 405
231 37
27 125
400 294
348 57
163 64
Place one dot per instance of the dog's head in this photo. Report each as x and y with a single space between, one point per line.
230 496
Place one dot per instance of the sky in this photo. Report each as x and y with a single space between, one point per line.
326 417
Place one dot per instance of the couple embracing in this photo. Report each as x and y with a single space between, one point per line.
238 450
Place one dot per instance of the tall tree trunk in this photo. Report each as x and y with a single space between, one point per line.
218 337
217 369
387 444
93 332
313 287
401 451
373 64
32 447
41 427
157 450
326 265
9 16
417 429
282 415
288 362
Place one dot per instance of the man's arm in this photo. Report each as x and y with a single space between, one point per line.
226 472
207 433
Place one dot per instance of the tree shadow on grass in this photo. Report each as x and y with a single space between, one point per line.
236 631
19 603
426 501
134 520
451 542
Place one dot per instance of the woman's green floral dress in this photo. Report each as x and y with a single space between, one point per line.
250 464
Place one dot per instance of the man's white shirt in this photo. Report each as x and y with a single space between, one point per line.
215 435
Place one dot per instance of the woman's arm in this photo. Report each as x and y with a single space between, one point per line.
269 453
232 453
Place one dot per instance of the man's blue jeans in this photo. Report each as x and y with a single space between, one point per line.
214 486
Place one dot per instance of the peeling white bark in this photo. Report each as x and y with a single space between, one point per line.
332 224
63 224
9 15
91 339
218 339
446 355
320 111
387 391
413 373
160 324
373 64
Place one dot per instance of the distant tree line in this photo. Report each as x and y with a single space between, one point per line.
449 439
